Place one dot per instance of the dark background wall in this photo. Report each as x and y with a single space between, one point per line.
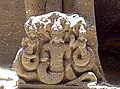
108 30
12 18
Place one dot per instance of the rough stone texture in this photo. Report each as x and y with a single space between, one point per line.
68 8
81 7
9 78
34 7
12 18
59 49
38 7
43 86
53 5
107 16
86 9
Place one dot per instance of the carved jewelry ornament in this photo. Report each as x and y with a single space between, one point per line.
57 51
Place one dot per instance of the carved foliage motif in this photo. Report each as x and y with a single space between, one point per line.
56 51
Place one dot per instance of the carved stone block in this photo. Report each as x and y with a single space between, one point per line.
60 51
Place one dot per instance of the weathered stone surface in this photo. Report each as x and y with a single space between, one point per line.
38 7
107 15
43 86
53 5
81 7
34 7
59 50
86 9
68 6
12 18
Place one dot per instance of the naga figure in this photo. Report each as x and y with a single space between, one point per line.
56 52
53 56
30 58
27 58
83 58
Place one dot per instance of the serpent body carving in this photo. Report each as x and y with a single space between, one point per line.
56 51
56 62
89 61
28 76
81 60
30 62
30 58
47 76
89 77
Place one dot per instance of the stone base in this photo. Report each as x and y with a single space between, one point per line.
43 86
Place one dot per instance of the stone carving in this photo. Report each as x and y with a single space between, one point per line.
56 51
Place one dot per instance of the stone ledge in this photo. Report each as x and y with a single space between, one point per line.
81 86
43 86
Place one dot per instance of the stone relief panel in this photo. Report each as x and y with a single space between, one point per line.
58 50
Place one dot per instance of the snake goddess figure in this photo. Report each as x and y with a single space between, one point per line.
60 50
